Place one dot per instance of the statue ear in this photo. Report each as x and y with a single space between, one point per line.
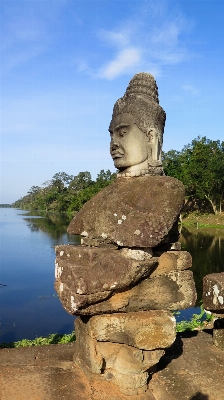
150 135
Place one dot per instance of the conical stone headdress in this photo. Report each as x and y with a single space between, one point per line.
142 101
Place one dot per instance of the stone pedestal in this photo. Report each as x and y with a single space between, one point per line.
218 333
213 301
123 348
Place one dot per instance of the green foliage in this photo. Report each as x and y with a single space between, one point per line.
198 321
200 166
54 338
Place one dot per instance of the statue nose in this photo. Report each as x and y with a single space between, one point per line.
114 145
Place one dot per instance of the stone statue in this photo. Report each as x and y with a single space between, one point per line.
129 271
136 129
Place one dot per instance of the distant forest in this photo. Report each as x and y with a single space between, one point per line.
65 193
199 165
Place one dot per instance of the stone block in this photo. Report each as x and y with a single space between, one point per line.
86 349
124 365
213 292
172 261
137 212
135 361
144 330
218 333
174 291
98 243
128 384
90 274
90 269
73 302
127 359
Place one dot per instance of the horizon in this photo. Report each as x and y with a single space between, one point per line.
65 63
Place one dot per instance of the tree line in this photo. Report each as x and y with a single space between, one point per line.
64 193
199 165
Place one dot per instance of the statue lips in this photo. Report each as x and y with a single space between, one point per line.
117 154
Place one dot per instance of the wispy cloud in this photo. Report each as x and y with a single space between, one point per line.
119 38
124 61
190 89
149 41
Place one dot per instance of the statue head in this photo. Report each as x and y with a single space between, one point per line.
137 127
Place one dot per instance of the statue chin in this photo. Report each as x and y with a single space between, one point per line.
132 168
147 167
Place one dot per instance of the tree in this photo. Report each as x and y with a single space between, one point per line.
81 181
34 190
172 163
104 178
200 166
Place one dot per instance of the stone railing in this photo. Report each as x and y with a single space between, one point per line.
213 301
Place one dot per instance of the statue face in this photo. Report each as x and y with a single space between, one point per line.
128 146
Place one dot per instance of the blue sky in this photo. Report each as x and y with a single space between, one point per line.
64 63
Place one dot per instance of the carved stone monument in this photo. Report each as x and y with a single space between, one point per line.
129 272
213 301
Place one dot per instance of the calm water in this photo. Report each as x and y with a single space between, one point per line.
29 306
28 303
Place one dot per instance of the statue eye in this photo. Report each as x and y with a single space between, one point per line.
122 132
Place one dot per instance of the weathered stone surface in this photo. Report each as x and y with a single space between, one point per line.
174 291
218 333
90 274
72 301
137 212
126 366
193 370
172 261
86 349
136 129
102 356
128 359
192 365
145 330
98 243
128 384
213 291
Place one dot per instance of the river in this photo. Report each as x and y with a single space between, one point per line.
29 306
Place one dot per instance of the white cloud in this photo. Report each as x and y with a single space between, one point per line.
148 41
190 89
119 39
125 60
166 35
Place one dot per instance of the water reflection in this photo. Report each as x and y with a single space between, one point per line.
55 225
28 306
207 249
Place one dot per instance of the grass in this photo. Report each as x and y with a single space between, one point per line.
203 225
205 220
54 338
